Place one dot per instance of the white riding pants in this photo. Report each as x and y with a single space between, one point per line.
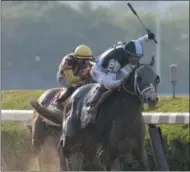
110 80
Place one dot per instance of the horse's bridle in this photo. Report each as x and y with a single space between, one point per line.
132 74
137 92
141 94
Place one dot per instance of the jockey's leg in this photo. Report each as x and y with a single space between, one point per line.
67 94
101 100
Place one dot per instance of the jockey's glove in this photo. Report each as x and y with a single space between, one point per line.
151 35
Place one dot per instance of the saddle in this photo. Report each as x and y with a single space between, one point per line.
85 115
80 117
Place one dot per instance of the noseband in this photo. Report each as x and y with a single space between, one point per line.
135 90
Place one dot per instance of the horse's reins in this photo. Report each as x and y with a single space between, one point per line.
129 77
137 92
151 87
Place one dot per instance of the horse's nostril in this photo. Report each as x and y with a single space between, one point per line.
152 100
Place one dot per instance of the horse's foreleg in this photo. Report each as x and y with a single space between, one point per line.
140 153
122 163
141 156
36 160
63 161
110 163
68 164
145 159
89 151
90 165
107 159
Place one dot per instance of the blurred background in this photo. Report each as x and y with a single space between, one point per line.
35 36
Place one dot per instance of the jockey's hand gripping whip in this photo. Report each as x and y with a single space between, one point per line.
135 13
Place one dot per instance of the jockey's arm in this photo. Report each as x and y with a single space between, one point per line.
62 79
110 83
107 76
143 38
149 36
60 74
127 69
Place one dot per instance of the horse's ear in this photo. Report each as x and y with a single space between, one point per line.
152 61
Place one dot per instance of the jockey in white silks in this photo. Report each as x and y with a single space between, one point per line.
114 65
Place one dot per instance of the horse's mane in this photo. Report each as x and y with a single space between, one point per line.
130 78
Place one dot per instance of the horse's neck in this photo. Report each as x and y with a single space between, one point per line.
129 96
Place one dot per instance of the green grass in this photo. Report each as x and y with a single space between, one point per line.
16 145
168 104
21 99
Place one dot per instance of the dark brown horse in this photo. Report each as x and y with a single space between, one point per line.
46 134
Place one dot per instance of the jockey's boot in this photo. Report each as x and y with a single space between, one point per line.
93 104
68 92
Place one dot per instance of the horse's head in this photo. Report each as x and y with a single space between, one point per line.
142 83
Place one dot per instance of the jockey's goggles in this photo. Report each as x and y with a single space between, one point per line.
128 53
77 62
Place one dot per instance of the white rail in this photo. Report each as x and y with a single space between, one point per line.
150 117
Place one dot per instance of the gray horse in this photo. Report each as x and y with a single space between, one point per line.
123 109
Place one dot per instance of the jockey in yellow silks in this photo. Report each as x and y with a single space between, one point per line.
71 70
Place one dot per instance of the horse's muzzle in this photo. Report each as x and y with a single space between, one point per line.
152 103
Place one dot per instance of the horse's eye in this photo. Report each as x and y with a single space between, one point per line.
139 78
157 79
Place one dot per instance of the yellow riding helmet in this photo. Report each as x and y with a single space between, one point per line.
83 52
